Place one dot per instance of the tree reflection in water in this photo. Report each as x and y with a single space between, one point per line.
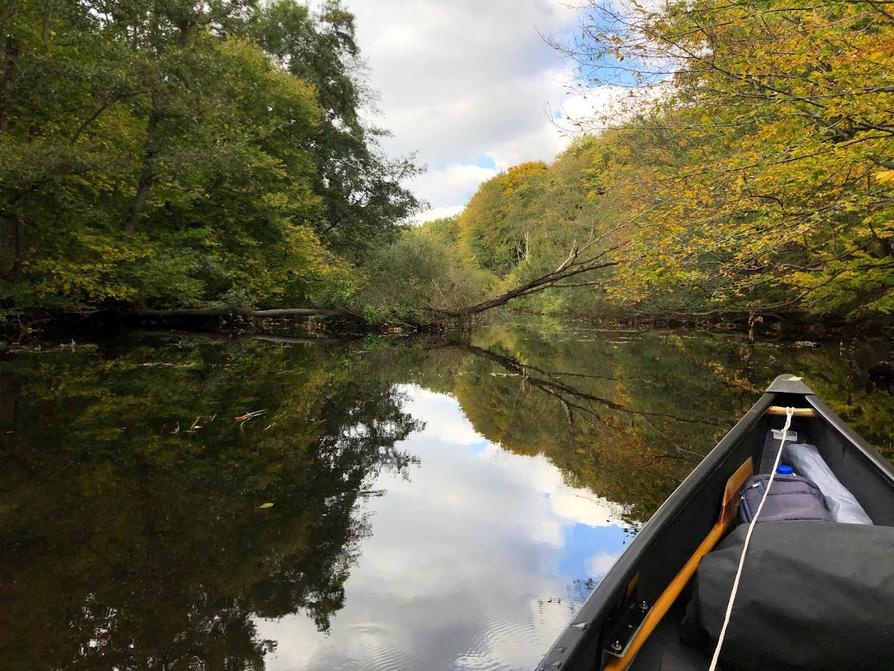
133 526
629 415
132 534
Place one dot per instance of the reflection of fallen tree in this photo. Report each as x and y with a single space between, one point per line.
574 400
621 449
563 391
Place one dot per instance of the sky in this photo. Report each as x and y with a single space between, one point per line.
471 87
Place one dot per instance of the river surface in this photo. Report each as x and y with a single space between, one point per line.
191 502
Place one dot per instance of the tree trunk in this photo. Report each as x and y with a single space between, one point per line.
45 29
12 244
243 312
551 280
147 172
8 245
10 55
19 247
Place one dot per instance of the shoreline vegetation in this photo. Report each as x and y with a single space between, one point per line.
310 324
191 160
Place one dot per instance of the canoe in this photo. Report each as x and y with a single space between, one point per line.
632 618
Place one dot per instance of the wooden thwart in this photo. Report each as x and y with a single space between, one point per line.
799 412
727 511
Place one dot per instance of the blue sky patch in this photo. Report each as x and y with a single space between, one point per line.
485 161
582 542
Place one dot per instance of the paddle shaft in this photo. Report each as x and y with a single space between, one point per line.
669 595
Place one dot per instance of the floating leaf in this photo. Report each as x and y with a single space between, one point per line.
265 505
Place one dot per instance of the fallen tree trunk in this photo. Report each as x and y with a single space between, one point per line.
243 312
548 382
577 263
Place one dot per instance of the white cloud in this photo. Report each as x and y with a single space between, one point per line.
447 188
570 504
470 86
439 413
600 564
433 213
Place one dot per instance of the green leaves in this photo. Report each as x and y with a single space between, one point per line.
187 152
363 200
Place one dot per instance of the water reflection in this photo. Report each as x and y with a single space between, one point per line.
472 562
435 505
135 530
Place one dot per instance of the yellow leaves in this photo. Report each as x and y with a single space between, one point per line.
742 185
518 176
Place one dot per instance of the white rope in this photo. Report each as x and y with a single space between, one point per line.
732 596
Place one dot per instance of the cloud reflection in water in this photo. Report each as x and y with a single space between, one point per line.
475 562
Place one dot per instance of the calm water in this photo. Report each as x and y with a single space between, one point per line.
186 502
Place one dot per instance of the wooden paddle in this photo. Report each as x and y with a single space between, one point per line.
727 511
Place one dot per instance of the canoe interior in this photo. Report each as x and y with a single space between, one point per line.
671 536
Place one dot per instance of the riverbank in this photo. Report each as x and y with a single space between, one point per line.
325 322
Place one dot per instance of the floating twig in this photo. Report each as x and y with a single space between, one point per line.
242 419
195 426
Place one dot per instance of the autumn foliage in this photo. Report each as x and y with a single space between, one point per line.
758 176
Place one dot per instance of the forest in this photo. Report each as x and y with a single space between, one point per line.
754 176
184 153
205 154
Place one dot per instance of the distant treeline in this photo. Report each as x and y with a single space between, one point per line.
754 176
158 153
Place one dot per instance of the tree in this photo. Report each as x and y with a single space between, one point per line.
139 541
754 175
154 155
363 194
779 116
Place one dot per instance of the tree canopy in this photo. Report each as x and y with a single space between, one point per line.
755 175
186 152
776 191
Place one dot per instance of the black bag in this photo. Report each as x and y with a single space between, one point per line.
813 596
791 498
